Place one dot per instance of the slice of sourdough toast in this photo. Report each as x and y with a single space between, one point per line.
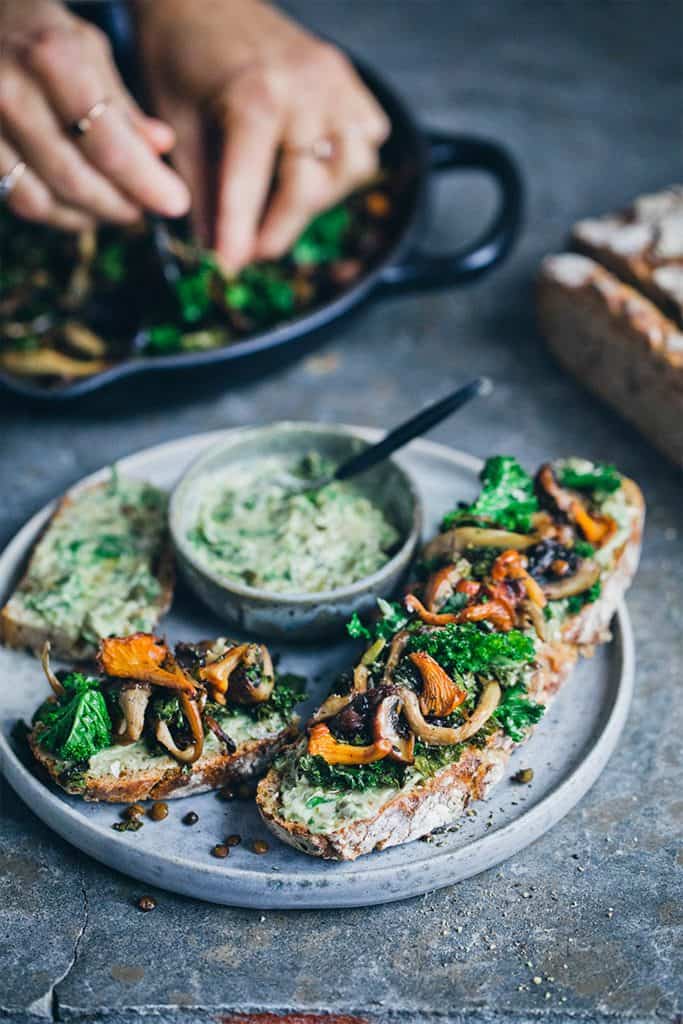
162 725
102 566
391 814
131 775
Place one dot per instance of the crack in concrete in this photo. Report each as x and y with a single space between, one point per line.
48 1004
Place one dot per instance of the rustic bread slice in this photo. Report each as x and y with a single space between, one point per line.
164 778
643 246
617 343
438 801
22 628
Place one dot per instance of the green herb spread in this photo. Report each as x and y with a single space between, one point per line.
92 574
250 529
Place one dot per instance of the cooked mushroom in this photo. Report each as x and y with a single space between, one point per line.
144 658
52 679
220 734
585 576
440 696
395 651
441 735
216 674
385 727
361 674
322 743
163 735
413 604
513 565
253 680
193 717
133 701
536 618
594 528
453 542
49 362
442 583
330 707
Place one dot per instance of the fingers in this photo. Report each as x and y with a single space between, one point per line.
69 67
246 170
32 128
31 199
307 185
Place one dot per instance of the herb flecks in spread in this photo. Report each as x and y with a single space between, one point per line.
93 572
454 667
251 529
153 708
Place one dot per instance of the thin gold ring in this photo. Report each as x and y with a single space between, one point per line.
322 149
83 125
9 181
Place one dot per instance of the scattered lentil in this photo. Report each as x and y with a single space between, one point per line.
158 811
191 818
220 851
259 846
147 903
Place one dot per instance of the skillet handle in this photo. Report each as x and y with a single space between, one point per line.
422 270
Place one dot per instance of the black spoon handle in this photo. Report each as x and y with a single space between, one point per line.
413 427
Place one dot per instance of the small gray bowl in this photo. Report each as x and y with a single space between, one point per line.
296 616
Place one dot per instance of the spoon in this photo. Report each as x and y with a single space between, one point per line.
398 437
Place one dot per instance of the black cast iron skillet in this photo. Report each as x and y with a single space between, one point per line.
413 153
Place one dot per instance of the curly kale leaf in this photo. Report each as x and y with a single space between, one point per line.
78 725
516 712
287 693
577 601
507 497
357 777
392 618
467 648
602 477
430 760
323 239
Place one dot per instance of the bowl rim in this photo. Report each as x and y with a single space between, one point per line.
238 435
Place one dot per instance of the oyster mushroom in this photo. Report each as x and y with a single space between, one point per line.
188 755
52 679
397 648
452 543
585 576
441 735
385 728
216 674
253 680
133 700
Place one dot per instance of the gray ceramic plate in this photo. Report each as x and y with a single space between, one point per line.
567 753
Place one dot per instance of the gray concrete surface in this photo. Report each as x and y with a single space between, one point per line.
589 97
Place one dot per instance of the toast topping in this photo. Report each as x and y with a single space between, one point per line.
455 666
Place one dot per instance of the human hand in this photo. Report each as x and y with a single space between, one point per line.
54 68
252 98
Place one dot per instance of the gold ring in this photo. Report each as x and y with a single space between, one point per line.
83 125
9 181
322 149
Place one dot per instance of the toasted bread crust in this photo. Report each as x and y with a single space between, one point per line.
213 772
441 799
617 343
22 635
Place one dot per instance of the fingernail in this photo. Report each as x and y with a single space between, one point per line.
177 199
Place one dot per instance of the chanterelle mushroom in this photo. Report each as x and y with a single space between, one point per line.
133 701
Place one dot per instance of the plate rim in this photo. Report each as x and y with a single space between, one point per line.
475 857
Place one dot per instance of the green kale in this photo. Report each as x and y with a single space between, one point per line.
455 603
77 725
287 693
392 618
111 262
467 648
516 712
323 239
603 478
167 709
482 560
262 293
430 760
583 549
194 291
351 776
163 338
576 603
507 497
